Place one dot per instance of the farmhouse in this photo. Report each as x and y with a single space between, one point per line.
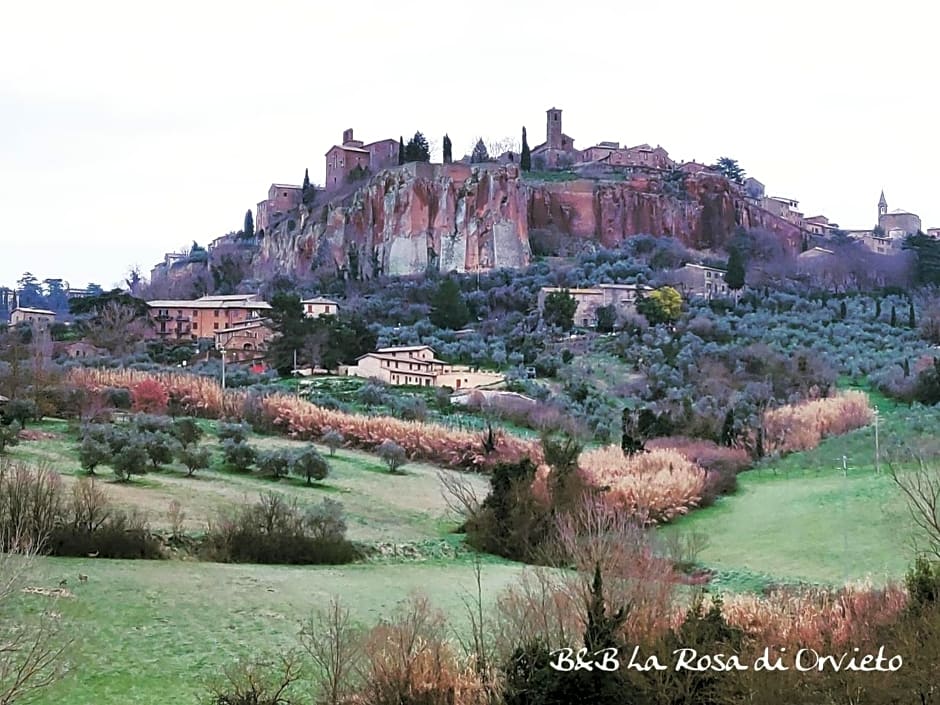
418 365
319 306
701 281
621 296
252 336
38 318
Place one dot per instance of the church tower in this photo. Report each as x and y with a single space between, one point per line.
882 206
553 129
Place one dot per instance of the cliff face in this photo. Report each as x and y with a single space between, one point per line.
454 217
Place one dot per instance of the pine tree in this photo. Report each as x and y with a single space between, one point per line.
448 154
894 317
736 273
525 161
306 179
249 224
417 149
401 150
911 319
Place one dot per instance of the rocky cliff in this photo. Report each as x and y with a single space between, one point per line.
454 217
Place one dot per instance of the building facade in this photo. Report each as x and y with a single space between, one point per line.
282 198
174 320
418 366
621 296
697 280
319 306
352 155
246 340
38 318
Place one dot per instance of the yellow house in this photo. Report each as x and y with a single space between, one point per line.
418 365
319 306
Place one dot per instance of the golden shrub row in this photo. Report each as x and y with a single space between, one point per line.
813 618
300 419
802 426
656 486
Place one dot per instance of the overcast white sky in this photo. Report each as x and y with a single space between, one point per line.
128 129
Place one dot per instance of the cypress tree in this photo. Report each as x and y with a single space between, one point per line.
735 275
894 317
525 160
727 429
906 366
448 153
843 310
306 179
911 320
249 224
877 308
401 150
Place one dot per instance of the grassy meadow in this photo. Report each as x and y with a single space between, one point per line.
152 632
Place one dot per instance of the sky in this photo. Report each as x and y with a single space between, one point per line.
128 130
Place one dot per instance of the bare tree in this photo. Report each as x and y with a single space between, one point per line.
335 645
257 682
919 480
117 327
32 649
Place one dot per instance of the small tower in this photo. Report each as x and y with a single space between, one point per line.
553 129
882 206
347 136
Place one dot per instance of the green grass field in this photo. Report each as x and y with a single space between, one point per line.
154 632
802 519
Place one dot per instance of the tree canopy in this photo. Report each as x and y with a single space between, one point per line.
559 309
417 149
448 308
730 169
664 305
479 154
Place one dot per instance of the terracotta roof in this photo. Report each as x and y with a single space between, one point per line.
299 188
404 348
209 304
319 300
41 311
347 149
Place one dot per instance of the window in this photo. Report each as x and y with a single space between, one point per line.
195 325
216 313
215 326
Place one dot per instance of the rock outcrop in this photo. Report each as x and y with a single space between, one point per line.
447 217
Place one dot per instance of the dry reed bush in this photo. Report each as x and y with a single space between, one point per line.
654 487
596 533
816 618
300 419
706 454
797 427
409 660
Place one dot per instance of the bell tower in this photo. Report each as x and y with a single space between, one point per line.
882 206
553 129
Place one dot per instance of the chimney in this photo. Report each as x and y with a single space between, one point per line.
347 136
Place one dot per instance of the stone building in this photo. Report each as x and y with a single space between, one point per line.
247 340
38 318
558 148
621 296
640 156
697 280
899 220
418 365
342 160
282 198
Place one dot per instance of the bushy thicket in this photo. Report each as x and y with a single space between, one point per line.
278 530
36 507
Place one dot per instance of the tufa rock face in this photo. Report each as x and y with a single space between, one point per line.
447 217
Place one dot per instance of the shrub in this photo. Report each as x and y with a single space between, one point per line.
236 432
131 459
93 452
21 411
274 530
275 463
332 440
186 431
159 447
721 464
238 456
151 423
149 396
392 454
118 397
9 436
797 427
193 458
309 464
653 487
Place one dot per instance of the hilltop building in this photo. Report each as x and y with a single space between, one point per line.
319 306
352 155
282 198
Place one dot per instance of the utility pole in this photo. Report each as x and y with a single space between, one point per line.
223 369
877 448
